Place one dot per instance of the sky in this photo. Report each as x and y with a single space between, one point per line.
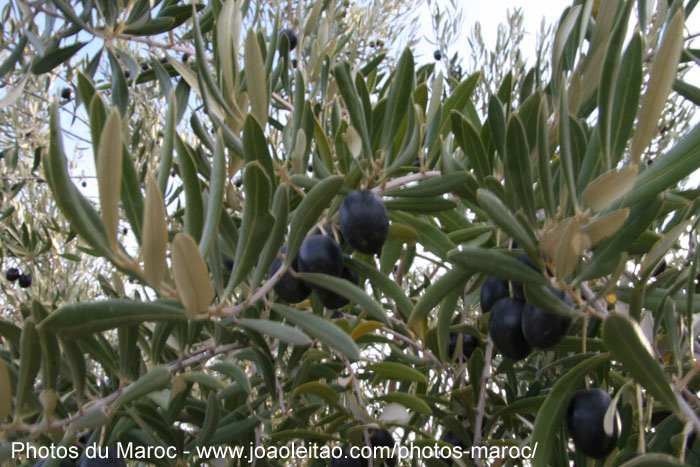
490 13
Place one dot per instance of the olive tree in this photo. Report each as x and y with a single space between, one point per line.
297 235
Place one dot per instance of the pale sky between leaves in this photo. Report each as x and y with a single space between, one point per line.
490 13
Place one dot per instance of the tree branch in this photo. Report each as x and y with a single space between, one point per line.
480 408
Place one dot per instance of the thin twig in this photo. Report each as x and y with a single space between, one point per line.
233 311
353 377
688 376
400 181
688 413
485 374
406 340
202 356
588 294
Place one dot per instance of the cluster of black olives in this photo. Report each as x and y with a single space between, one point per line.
515 326
24 279
364 225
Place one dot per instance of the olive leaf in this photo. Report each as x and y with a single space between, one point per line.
256 81
109 174
663 73
191 275
5 392
602 192
605 225
155 235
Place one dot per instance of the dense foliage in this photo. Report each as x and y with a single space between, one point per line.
249 223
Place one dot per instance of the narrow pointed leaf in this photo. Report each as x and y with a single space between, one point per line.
280 209
517 166
255 146
452 280
421 205
216 197
276 330
208 87
397 371
235 430
383 282
155 235
637 222
52 58
194 206
350 96
5 392
321 390
13 94
566 27
668 169
78 367
662 75
468 139
166 151
51 353
567 162
256 80
433 187
81 319
29 363
8 64
256 223
493 263
626 340
605 226
155 379
82 216
131 196
191 275
235 372
119 87
503 218
661 248
109 173
321 329
543 159
609 75
225 42
654 459
687 90
460 97
398 99
497 124
364 328
211 420
602 192
626 101
347 289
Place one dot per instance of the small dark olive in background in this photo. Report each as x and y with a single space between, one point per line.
12 274
291 37
25 280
